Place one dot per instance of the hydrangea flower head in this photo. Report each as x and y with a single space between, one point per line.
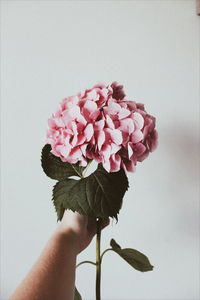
103 125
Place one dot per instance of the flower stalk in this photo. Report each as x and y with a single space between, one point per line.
98 260
109 249
86 262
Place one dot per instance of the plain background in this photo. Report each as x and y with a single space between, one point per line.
53 49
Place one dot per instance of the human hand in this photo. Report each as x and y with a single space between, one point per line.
80 229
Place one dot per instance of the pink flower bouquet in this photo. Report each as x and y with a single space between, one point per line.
102 125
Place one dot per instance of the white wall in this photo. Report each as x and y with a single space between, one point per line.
52 49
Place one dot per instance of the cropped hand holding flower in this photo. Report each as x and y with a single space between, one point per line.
102 125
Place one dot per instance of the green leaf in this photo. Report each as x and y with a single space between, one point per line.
55 168
58 207
59 191
99 195
77 295
133 257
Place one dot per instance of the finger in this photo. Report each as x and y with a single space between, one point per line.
105 223
92 226
81 221
75 218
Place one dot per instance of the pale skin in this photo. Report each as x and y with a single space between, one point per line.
52 277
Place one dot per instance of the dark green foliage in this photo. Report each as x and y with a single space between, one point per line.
77 295
55 168
133 257
99 195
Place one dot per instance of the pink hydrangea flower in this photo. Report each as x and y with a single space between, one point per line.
101 124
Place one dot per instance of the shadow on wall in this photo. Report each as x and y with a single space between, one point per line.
179 145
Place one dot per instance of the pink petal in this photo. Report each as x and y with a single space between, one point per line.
116 136
127 125
80 127
105 152
136 136
140 106
96 157
90 106
54 152
69 102
106 166
63 150
49 140
94 115
143 156
88 152
154 140
71 114
73 127
139 120
81 119
114 148
130 151
124 113
55 123
100 137
116 123
58 113
66 140
51 123
123 104
69 131
74 140
115 162
130 166
81 139
83 149
59 122
89 131
104 92
92 141
83 162
92 95
112 109
99 125
139 149
109 122
74 155
131 105
118 92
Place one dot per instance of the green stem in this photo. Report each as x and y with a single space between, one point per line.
79 174
98 260
109 249
86 262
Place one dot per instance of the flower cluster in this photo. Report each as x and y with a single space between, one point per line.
101 124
